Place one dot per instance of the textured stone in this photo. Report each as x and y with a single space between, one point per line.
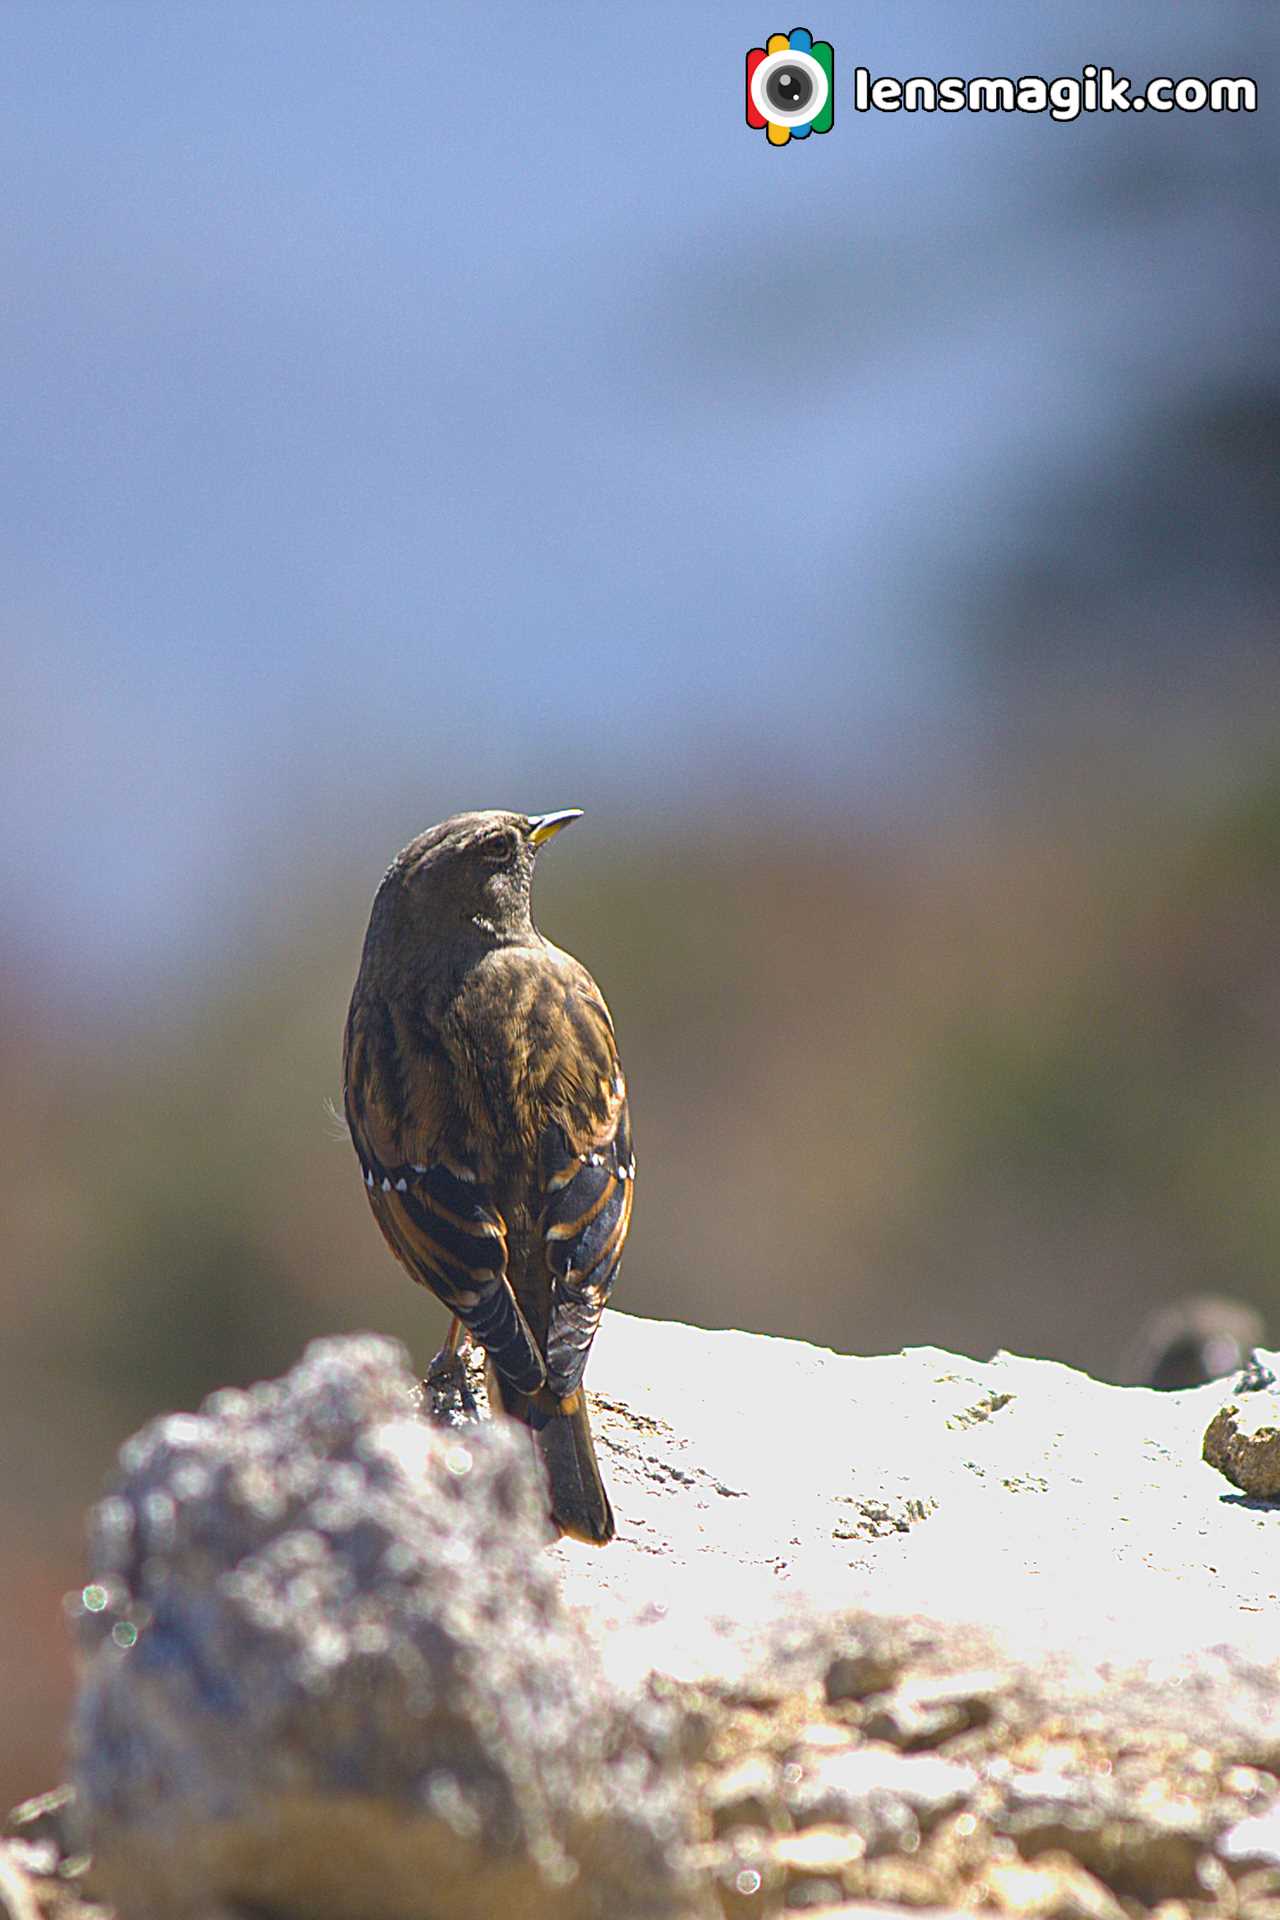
329 1673
924 1713
858 1673
1078 1618
820 1857
885 1797
1151 1849
1243 1442
1056 1887
748 1795
1255 1840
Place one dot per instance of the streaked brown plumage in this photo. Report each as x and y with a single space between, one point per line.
489 1112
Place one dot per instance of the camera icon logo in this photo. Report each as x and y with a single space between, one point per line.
791 86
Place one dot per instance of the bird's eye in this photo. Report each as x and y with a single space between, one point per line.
498 848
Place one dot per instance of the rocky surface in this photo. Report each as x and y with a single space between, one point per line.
750 1474
330 1669
911 1631
1243 1439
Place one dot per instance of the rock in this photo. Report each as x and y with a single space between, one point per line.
1063 1513
1253 1841
330 1673
1055 1888
1049 1688
862 1910
33 1885
902 1881
1154 1852
925 1713
745 1877
748 1795
47 1836
856 1674
886 1798
43 1861
1243 1442
18 1897
816 1864
1071 1598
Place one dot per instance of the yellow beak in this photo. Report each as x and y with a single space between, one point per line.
545 826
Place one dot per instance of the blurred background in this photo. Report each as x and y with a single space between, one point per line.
410 409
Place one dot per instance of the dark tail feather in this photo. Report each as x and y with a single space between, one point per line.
579 1504
562 1434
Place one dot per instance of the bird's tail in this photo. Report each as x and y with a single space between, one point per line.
562 1435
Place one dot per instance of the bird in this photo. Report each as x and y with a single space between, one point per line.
1199 1338
488 1109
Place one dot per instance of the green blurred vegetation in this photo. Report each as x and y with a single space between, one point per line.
1008 1078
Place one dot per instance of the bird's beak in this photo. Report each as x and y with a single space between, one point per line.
545 826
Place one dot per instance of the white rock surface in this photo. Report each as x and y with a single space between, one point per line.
755 1477
920 1630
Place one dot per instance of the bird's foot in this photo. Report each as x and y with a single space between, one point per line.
449 1399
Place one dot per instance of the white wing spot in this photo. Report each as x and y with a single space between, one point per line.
386 1184
402 1185
368 1178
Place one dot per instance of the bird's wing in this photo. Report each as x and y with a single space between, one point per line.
587 1172
436 1214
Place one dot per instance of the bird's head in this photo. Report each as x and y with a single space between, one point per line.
475 870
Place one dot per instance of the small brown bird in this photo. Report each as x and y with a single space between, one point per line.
488 1108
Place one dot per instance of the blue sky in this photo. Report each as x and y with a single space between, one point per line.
443 408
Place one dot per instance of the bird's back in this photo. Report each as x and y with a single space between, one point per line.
530 1044
532 1055
488 1109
